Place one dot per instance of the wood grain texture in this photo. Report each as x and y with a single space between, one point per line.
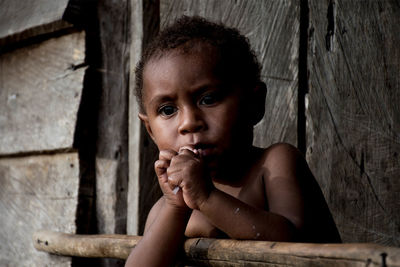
112 139
36 192
134 124
353 115
40 90
220 252
273 31
21 19
143 183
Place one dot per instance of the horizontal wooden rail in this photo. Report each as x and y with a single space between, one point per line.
226 252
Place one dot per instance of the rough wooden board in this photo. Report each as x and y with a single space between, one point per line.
354 115
112 139
136 27
37 192
280 119
40 90
106 195
273 30
143 185
20 19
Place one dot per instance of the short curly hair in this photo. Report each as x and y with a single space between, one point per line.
237 61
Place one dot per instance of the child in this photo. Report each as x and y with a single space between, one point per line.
200 94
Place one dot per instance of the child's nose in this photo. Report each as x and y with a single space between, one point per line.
191 121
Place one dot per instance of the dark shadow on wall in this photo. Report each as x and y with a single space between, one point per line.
83 14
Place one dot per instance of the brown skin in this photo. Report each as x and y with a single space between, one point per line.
263 198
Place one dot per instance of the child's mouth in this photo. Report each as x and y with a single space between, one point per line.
203 150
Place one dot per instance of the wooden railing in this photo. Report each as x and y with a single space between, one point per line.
225 252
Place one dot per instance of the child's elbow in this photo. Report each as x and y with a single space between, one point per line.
284 231
288 232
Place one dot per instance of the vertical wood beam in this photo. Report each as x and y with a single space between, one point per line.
112 138
132 226
142 151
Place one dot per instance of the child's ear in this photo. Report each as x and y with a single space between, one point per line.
145 119
258 105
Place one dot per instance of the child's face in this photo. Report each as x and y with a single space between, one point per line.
187 105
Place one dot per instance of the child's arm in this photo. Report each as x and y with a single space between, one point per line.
162 240
165 226
240 220
285 217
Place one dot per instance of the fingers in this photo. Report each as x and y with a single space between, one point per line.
160 167
184 156
187 150
183 148
170 165
163 162
174 184
167 154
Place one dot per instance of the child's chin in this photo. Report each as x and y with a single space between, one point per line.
211 163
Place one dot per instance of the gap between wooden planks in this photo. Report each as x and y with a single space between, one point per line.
225 252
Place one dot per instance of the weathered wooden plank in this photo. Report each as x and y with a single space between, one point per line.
112 137
40 90
37 192
273 30
354 115
219 252
136 27
21 19
143 185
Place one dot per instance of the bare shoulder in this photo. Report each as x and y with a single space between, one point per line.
293 192
280 174
282 149
282 157
285 162
153 213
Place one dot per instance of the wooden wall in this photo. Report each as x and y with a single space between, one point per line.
353 115
41 82
64 77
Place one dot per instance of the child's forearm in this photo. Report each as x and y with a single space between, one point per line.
242 221
162 240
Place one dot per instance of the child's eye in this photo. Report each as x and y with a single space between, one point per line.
208 99
167 110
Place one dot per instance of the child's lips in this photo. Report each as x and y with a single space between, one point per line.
201 149
205 152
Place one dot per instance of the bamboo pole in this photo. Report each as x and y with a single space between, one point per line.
226 252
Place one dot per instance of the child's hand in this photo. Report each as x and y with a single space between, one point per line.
187 171
161 166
